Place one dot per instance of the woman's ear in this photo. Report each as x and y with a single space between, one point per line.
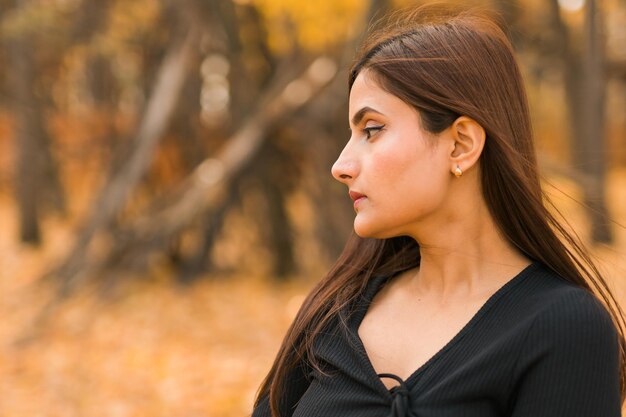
469 139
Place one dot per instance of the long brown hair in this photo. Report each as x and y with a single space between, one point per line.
445 64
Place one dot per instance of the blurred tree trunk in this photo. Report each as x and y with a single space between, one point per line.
185 126
102 84
28 126
37 185
245 86
585 90
593 149
276 176
200 261
91 18
617 69
52 195
280 236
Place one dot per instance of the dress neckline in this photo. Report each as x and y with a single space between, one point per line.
376 285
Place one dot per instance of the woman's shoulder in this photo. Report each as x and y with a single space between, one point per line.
569 355
561 295
565 310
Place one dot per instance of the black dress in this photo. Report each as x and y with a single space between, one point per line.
539 347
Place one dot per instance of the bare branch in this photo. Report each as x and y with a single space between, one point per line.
206 187
161 105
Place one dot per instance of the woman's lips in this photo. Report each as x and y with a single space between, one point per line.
358 200
357 197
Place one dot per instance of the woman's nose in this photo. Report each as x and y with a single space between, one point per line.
344 169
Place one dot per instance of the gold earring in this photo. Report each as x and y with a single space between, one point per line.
458 172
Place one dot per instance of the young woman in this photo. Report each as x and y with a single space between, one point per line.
460 295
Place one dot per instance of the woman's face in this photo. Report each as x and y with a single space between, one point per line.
402 170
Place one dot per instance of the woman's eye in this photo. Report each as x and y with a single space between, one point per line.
372 130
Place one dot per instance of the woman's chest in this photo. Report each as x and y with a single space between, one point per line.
452 382
401 338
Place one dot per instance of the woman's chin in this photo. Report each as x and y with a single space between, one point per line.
361 229
368 231
376 231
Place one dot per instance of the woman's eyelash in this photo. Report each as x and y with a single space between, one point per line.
368 130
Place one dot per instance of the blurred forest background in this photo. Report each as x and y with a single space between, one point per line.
165 190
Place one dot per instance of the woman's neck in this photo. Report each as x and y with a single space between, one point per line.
465 255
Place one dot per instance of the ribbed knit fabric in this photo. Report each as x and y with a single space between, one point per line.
539 347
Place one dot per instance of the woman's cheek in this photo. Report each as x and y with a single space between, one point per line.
393 164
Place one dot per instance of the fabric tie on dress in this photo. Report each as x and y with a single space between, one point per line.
399 396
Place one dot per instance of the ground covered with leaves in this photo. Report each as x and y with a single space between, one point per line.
151 348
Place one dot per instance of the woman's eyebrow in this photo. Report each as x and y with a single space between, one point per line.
358 116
